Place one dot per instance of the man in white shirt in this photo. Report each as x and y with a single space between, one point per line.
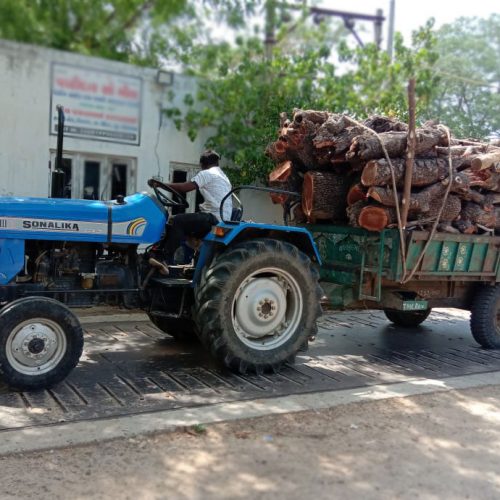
213 185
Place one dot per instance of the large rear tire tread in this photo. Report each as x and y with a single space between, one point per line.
216 291
483 320
407 319
19 311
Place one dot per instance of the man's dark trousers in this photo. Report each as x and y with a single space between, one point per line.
181 226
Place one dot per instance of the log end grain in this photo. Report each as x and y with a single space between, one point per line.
373 218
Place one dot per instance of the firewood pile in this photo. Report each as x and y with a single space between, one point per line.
346 172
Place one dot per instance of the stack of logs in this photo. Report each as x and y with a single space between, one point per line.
344 176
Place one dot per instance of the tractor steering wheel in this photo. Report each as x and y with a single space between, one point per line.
176 200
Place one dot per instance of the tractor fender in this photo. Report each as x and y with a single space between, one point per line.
227 234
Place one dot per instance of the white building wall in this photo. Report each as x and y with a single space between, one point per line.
26 145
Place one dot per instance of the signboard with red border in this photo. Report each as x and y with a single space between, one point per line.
98 105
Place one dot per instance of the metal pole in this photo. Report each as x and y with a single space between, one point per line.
377 28
390 34
270 39
410 153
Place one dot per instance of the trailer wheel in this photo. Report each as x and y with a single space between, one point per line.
257 305
407 319
41 341
181 329
485 317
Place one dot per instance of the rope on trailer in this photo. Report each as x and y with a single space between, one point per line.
394 189
432 233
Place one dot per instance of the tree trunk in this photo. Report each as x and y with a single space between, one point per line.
324 196
425 172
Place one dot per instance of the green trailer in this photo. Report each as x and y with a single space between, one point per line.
365 270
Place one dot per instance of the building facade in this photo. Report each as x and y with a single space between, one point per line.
116 135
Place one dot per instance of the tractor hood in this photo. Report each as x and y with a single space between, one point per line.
139 219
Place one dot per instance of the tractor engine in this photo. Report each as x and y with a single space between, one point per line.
82 274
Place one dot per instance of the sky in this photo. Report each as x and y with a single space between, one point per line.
411 14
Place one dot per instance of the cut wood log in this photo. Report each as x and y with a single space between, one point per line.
384 124
475 214
425 172
277 151
356 193
318 117
368 146
484 161
342 141
327 132
459 151
284 177
485 179
324 196
282 172
377 217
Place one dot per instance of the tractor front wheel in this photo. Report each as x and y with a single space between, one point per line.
257 305
41 341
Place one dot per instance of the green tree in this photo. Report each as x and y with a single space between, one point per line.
468 96
241 92
145 32
114 29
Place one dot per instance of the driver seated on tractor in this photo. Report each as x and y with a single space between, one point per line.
213 185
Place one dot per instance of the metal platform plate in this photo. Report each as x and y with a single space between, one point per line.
132 367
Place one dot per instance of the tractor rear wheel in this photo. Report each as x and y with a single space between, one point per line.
41 341
407 319
257 305
485 317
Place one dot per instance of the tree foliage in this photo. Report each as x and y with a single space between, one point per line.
113 29
468 96
241 93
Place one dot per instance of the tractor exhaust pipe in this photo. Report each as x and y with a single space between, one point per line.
57 178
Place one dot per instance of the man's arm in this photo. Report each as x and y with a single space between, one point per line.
183 187
180 187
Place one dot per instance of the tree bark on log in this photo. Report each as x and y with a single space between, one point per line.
377 217
328 131
324 196
475 214
485 179
425 172
482 162
368 147
277 151
384 124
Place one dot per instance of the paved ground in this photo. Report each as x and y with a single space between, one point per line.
130 367
440 446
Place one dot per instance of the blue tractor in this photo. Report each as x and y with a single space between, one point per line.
251 295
